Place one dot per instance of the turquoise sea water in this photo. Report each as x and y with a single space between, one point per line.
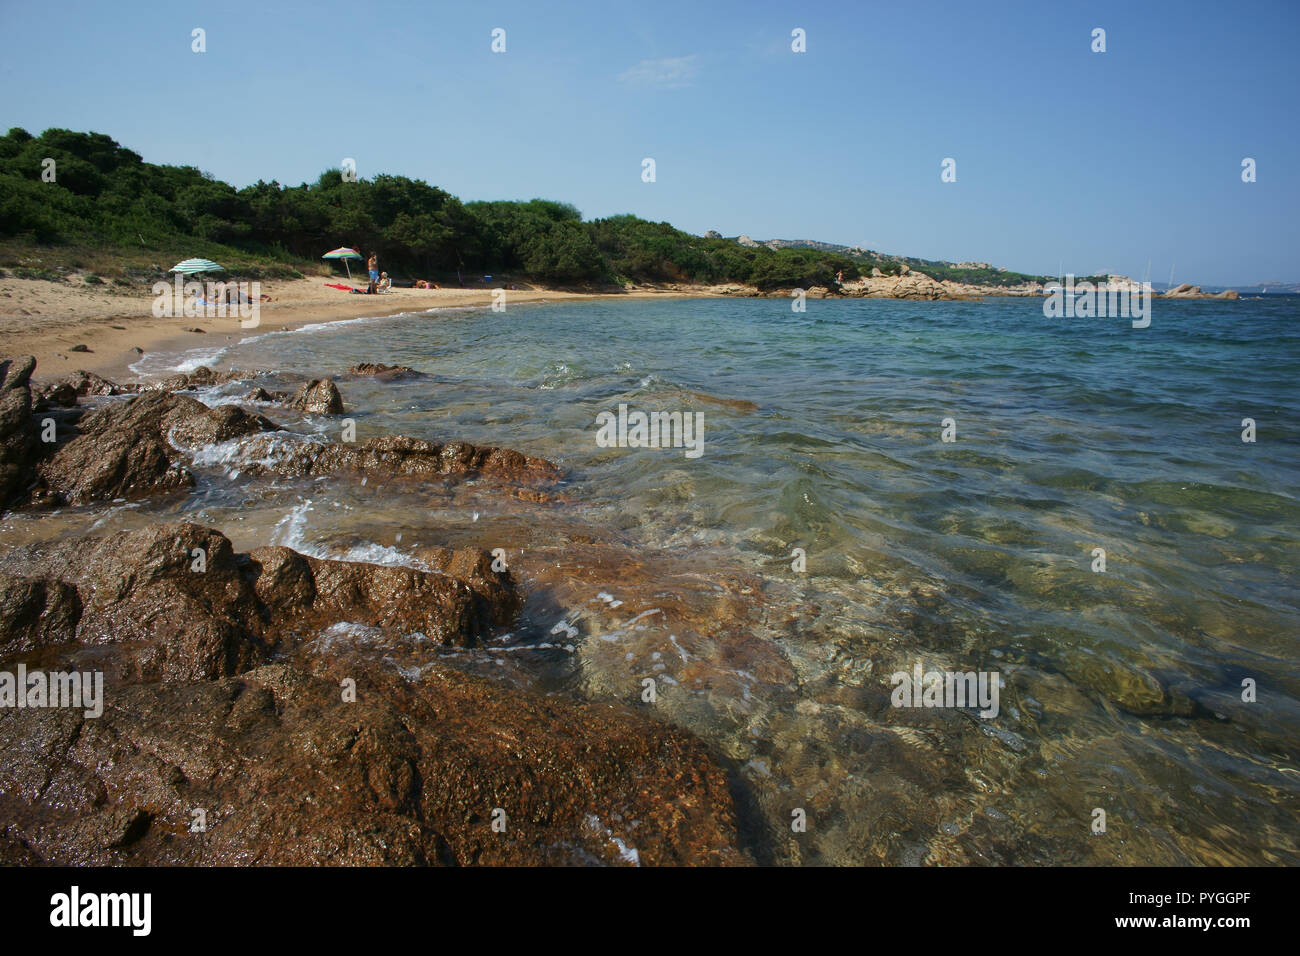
1122 690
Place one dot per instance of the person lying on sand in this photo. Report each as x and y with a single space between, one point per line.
231 294
425 284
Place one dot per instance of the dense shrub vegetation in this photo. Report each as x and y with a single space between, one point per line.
105 195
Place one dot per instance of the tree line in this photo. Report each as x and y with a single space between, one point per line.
71 187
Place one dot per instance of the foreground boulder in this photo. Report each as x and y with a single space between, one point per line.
278 710
284 771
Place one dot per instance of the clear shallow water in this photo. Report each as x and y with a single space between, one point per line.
1122 689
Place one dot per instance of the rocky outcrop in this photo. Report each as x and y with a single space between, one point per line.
283 771
129 449
909 285
113 465
141 592
318 397
273 709
208 426
17 431
260 394
1189 291
143 447
179 604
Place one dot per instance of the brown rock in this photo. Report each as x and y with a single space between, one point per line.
411 769
17 432
57 395
201 377
288 773
132 449
213 425
394 456
88 383
262 395
444 609
142 592
183 606
318 397
113 465
129 449
383 372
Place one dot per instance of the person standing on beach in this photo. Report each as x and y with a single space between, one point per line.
373 266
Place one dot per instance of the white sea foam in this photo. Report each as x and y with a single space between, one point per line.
237 452
316 327
348 634
291 532
626 853
170 364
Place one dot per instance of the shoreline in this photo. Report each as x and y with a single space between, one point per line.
118 329
52 322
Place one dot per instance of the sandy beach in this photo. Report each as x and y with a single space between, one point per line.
48 319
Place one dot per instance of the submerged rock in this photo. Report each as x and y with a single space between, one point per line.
383 372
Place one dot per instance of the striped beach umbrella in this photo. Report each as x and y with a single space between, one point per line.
346 254
190 266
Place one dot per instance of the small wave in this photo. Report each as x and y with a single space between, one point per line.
189 360
291 532
317 327
235 453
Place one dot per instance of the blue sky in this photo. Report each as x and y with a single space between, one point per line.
1066 159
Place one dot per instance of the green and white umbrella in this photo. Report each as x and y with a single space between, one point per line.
190 266
346 254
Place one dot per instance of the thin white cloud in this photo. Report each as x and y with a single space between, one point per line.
671 73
